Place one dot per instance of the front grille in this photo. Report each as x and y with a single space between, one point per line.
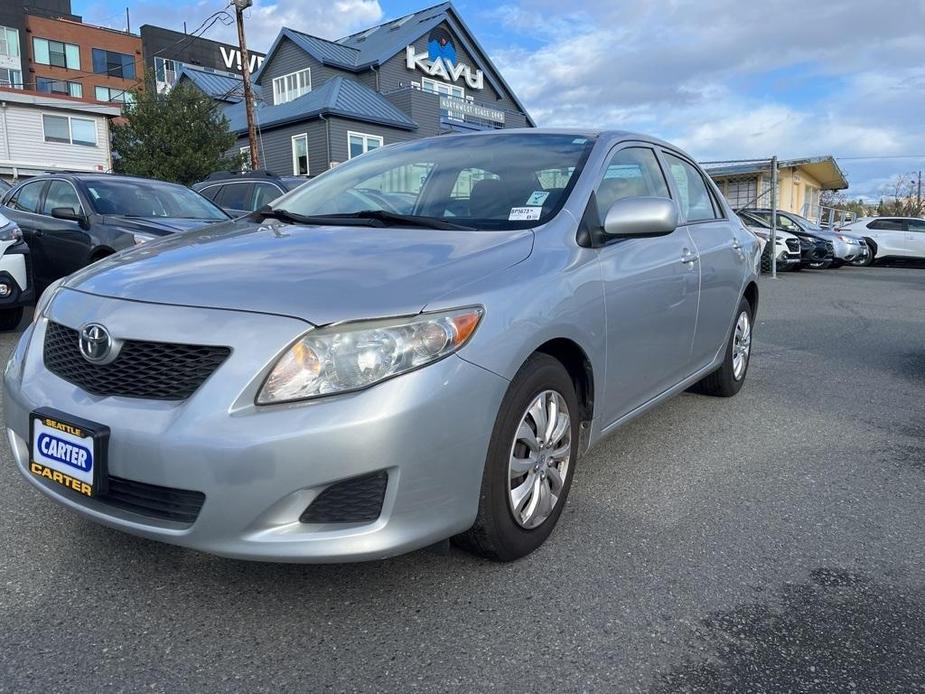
358 500
151 370
793 245
162 503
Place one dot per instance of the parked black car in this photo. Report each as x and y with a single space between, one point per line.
240 193
815 253
71 220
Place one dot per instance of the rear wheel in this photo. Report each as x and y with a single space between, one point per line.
727 380
10 318
530 463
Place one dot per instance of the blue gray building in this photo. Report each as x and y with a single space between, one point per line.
322 102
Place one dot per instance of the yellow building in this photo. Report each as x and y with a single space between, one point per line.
800 183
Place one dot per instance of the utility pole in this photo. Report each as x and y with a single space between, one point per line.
239 7
918 195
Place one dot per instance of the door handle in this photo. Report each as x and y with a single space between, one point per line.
37 233
736 246
689 258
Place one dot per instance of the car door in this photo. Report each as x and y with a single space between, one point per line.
23 206
65 243
889 235
915 237
650 291
722 261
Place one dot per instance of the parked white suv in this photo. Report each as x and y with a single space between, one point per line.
786 246
15 277
890 237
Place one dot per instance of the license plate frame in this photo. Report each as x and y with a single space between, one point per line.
77 432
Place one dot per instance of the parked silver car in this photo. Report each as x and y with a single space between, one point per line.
333 380
846 247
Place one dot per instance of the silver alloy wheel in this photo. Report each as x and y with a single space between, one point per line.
539 459
741 346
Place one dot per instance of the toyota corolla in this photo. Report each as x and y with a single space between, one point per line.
418 345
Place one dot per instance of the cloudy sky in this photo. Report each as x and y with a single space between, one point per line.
722 78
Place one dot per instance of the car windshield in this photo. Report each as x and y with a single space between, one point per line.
497 181
149 199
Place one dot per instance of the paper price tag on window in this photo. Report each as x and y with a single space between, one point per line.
523 214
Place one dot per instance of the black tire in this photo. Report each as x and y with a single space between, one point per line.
868 260
722 382
836 264
796 267
495 533
766 258
10 318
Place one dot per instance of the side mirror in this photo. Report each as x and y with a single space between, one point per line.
641 216
69 214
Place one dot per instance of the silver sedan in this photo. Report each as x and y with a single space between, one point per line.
417 345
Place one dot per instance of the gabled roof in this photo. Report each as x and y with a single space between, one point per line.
825 169
216 85
374 46
339 96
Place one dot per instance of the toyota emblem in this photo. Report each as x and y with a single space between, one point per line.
96 344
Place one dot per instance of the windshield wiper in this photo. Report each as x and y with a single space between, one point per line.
290 217
409 219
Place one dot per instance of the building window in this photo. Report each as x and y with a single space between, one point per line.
435 87
113 64
9 42
49 86
291 86
359 143
166 72
121 96
69 130
55 53
300 155
245 158
10 78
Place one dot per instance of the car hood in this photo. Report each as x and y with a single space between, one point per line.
161 226
321 274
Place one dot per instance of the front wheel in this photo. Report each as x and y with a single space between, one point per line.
727 380
10 318
530 463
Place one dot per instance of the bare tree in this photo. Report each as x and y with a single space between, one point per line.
904 198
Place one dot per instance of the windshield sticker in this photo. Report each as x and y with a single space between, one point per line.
523 214
579 140
537 198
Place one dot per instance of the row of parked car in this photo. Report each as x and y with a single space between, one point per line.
55 224
800 243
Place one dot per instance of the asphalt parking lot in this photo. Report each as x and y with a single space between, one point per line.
771 542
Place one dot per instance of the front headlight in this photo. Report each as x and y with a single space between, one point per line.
351 356
9 231
46 298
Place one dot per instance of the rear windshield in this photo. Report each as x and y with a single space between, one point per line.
150 199
497 181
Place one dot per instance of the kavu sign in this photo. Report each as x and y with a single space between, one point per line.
440 60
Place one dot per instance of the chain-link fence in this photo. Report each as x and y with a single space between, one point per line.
751 185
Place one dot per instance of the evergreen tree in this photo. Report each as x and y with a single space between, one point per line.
181 136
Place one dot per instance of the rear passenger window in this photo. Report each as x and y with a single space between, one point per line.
235 196
264 194
694 198
887 225
632 172
210 192
27 197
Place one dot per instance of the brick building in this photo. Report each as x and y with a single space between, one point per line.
69 58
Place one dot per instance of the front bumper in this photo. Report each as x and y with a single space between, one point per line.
260 468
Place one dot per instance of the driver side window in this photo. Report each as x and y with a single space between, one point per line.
632 172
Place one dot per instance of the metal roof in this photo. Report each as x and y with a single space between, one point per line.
374 46
339 96
218 86
824 168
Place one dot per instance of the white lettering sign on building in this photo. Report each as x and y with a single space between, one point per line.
232 59
443 68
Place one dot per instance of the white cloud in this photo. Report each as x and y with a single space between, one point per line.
727 79
263 21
